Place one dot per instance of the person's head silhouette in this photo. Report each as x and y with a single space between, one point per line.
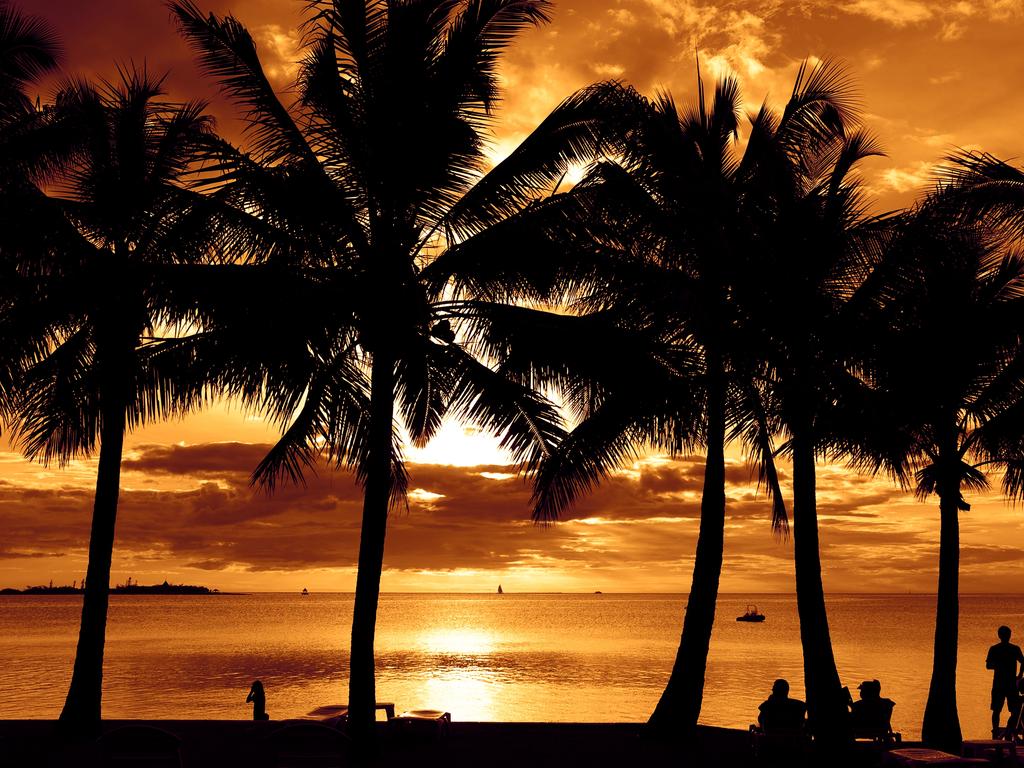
870 689
1004 633
780 688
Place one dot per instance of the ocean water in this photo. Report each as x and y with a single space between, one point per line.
549 657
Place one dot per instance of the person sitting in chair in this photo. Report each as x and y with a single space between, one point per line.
779 712
872 714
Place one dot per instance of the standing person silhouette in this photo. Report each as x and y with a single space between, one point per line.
259 701
1002 659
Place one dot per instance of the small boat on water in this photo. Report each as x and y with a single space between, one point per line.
751 614
500 590
304 592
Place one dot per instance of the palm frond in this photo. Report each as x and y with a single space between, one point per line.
586 125
608 439
228 54
528 425
29 49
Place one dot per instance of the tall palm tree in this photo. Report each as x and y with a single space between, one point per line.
81 306
816 247
946 402
676 191
665 235
355 188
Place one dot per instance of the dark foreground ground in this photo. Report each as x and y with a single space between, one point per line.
220 744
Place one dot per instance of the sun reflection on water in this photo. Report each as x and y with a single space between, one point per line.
458 641
460 681
465 693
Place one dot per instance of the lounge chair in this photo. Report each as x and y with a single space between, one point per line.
307 745
421 723
884 736
921 757
337 714
139 746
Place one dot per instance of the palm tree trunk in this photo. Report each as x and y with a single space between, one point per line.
679 707
826 702
82 712
941 727
362 695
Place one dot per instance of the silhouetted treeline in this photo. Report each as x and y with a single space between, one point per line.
120 589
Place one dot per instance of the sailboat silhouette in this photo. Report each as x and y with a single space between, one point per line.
500 590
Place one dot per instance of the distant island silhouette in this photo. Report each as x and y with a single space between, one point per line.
129 588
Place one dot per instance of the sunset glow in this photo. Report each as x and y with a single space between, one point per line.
924 73
503 382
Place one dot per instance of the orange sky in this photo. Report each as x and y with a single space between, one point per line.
933 76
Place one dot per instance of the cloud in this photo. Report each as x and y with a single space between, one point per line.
7 553
891 46
952 18
280 51
915 177
951 30
899 13
974 555
930 75
459 519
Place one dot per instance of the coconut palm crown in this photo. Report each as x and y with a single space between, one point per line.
676 228
817 244
944 403
353 189
79 312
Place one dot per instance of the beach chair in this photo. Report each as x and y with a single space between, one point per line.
878 732
996 751
922 757
336 715
782 746
1014 730
425 724
139 746
307 745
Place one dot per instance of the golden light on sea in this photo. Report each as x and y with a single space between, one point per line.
458 641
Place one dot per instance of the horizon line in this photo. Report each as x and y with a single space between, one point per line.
536 592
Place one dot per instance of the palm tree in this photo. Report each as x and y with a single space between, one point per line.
816 247
81 308
947 402
665 234
373 172
677 192
28 50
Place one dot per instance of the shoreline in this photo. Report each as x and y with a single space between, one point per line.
217 743
9 591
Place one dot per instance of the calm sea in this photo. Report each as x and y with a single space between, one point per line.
482 657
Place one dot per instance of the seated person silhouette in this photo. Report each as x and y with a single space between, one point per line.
259 701
871 715
779 712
